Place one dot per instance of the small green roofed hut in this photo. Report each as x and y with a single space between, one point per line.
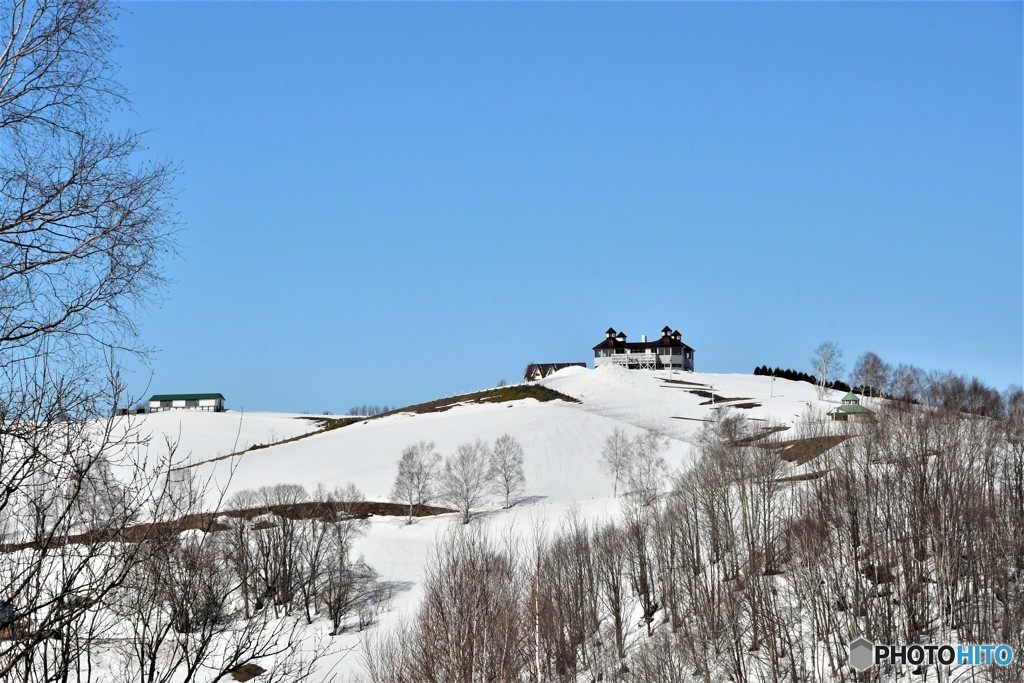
850 410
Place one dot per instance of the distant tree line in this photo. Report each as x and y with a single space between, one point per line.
872 376
797 376
369 410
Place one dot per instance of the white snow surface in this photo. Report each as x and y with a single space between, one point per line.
197 436
561 442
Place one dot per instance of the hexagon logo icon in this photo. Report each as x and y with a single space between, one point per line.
862 654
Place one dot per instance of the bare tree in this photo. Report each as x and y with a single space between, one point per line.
463 482
506 468
871 373
84 226
615 457
417 471
470 624
179 610
908 382
638 529
610 571
345 584
909 532
827 364
646 468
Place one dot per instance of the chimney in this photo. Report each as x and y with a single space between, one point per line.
643 338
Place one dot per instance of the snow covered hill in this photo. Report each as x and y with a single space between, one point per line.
561 440
198 436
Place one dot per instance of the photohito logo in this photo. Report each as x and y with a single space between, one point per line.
864 654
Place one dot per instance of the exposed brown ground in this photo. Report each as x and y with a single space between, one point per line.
209 521
679 381
247 672
327 423
498 395
802 451
807 476
764 433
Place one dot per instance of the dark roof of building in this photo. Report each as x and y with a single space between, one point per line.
184 397
660 342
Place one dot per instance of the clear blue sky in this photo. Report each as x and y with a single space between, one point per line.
382 203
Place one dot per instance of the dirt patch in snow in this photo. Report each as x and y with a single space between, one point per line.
761 434
499 395
716 399
247 672
807 476
209 522
679 381
802 451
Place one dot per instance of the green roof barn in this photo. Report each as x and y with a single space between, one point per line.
206 402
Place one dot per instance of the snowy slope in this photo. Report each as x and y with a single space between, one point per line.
200 436
562 442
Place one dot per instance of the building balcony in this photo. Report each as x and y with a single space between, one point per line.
642 360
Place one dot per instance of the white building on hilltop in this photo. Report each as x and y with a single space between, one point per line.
207 402
668 351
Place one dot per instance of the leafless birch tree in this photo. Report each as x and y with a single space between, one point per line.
827 364
463 483
615 457
84 226
646 467
871 373
416 479
506 468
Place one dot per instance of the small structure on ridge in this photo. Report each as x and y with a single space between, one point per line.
536 371
850 410
206 402
667 352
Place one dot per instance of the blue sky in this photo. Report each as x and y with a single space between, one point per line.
383 203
